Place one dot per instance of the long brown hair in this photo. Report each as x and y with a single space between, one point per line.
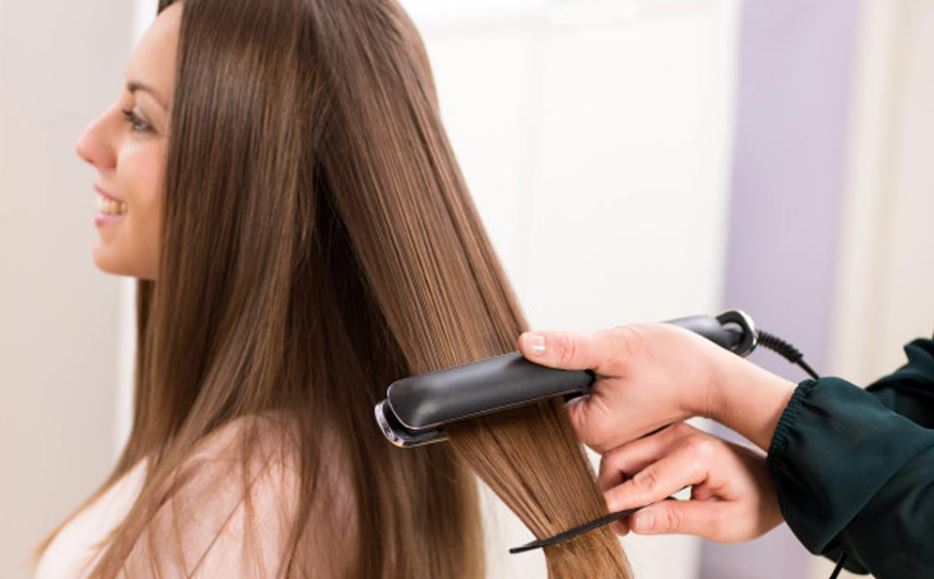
318 243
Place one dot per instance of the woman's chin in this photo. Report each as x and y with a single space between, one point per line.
107 261
104 259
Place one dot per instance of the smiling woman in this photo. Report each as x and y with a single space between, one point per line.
128 146
303 237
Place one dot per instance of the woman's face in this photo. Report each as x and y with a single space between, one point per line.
128 145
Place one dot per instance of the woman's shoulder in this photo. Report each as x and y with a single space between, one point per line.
270 437
219 496
249 459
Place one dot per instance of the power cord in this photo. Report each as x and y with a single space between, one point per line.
786 351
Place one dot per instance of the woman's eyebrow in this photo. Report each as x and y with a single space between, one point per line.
133 86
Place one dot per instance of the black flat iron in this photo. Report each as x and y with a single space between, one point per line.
417 408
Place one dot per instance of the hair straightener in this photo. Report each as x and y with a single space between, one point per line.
417 408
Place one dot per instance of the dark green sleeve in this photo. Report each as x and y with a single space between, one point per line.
854 475
910 390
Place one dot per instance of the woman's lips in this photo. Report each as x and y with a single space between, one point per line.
105 194
110 209
106 219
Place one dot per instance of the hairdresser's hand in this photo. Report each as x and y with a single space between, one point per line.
652 375
732 496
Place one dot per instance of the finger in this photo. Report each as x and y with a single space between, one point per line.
702 518
621 527
572 350
685 466
624 461
595 422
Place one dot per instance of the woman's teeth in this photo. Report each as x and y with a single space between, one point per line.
109 206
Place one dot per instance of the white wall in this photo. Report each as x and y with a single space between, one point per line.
596 138
61 63
885 279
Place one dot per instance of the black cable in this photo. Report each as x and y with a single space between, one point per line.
840 561
786 351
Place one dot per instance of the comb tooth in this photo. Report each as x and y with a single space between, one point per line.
579 530
574 532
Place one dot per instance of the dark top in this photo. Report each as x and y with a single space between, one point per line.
854 468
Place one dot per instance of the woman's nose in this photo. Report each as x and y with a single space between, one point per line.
93 144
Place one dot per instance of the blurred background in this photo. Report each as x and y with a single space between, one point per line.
634 160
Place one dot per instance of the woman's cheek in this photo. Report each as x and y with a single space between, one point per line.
144 201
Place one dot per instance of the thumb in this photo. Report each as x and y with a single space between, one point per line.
567 350
687 517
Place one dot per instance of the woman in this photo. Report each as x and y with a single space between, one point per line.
276 176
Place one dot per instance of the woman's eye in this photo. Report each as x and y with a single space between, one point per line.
136 123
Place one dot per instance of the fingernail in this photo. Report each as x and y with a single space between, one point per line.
644 522
536 343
